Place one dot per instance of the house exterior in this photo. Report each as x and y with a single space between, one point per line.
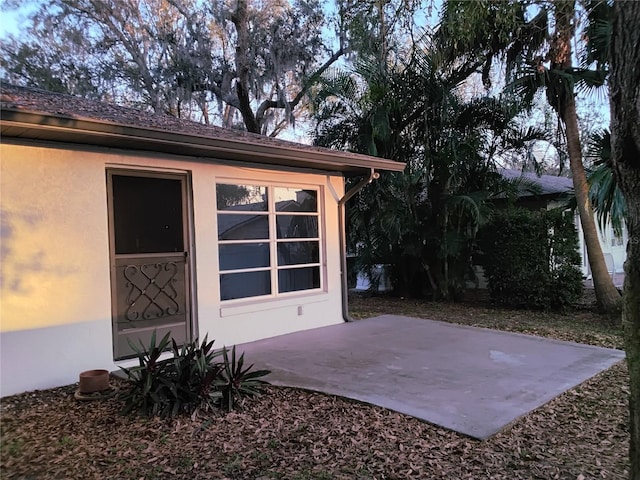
116 223
554 192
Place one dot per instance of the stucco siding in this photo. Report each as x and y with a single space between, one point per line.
55 309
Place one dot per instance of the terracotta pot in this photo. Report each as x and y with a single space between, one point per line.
94 381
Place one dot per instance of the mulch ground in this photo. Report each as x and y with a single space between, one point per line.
295 434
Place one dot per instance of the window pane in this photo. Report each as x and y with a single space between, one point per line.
295 200
242 227
242 285
244 255
295 253
294 279
297 226
147 214
241 197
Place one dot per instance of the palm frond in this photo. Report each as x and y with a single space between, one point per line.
526 83
471 209
518 137
586 80
598 34
606 197
599 147
528 45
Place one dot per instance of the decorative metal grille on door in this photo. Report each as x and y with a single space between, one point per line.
152 290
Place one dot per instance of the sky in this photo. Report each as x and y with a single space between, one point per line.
12 19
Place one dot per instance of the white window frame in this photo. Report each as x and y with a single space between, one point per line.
273 241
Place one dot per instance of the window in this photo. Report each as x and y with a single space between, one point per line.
268 240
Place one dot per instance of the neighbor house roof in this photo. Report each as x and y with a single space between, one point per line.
28 113
549 184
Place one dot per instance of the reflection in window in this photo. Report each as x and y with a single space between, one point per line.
238 256
246 284
295 200
268 240
296 253
241 197
295 279
297 226
243 227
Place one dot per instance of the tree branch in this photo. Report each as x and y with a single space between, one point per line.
268 104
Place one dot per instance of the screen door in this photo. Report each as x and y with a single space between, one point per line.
149 259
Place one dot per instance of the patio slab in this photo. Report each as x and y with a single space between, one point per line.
471 380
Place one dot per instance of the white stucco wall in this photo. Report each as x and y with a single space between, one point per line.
55 299
614 249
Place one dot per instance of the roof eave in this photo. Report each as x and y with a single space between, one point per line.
40 126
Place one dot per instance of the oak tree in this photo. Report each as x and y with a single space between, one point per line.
245 63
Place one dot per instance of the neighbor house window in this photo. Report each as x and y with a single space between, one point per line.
269 240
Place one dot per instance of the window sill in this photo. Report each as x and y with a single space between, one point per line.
272 304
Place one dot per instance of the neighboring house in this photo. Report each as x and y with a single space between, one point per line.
116 223
554 192
551 192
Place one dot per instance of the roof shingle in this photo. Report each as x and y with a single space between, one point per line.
549 184
60 106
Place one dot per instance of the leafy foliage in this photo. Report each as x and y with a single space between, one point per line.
597 33
531 259
483 30
236 381
189 380
605 195
537 56
422 221
245 64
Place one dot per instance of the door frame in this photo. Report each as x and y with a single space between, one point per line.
187 225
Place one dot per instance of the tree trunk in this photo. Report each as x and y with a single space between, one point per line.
439 268
625 144
243 63
607 295
562 97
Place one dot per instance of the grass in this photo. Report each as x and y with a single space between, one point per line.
295 434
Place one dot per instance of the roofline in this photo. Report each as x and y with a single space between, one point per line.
88 131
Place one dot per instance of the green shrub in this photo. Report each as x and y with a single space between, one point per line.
531 259
190 379
235 382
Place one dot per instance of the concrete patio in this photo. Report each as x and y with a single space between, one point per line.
471 380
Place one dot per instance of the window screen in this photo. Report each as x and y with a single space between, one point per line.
147 215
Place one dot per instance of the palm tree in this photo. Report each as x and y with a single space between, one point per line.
537 59
560 94
423 221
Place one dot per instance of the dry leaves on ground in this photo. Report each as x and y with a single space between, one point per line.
295 434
